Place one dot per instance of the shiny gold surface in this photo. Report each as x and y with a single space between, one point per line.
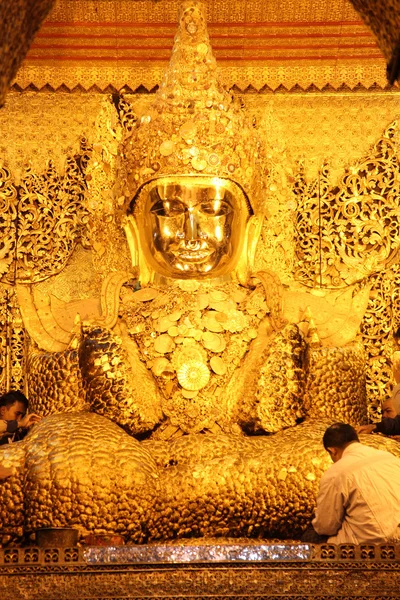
191 227
82 471
113 490
159 306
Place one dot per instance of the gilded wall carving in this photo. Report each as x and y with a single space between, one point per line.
43 218
12 342
348 233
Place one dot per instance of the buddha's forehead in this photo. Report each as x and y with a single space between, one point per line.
191 191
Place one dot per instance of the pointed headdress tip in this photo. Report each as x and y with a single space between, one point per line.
193 126
192 70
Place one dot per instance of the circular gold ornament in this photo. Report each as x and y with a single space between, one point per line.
183 330
164 343
218 365
144 295
173 331
188 285
175 316
202 48
193 375
187 353
188 130
236 321
209 321
213 342
167 148
163 324
213 160
199 164
218 296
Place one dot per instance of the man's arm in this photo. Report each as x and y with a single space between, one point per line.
329 513
12 426
5 472
8 427
389 426
366 428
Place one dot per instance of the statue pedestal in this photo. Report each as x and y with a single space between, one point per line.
242 569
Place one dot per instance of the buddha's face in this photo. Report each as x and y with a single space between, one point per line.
191 227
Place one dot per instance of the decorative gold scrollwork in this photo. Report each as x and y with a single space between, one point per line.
50 221
350 231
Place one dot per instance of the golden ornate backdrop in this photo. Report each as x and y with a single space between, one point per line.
312 138
86 323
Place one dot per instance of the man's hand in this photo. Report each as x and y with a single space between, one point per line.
29 420
366 428
5 472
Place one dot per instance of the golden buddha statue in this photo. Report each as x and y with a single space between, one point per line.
190 341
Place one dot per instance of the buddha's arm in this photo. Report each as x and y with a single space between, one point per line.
117 383
266 392
100 372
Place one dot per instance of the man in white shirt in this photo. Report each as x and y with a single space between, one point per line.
359 495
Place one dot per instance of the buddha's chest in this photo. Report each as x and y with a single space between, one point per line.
192 338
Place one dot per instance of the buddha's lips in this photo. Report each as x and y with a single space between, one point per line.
193 255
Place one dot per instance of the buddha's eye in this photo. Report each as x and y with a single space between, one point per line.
215 208
168 208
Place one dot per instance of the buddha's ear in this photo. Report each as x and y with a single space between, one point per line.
137 256
245 266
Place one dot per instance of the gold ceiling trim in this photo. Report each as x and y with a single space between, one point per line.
256 43
133 77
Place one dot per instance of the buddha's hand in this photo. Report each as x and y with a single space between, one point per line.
6 472
367 428
29 420
395 437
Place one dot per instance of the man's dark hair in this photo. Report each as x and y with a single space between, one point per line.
12 397
339 435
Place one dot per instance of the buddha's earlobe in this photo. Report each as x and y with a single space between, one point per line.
137 257
245 266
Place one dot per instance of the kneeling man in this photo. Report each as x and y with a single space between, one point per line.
359 495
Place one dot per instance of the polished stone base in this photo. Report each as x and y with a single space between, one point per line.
201 570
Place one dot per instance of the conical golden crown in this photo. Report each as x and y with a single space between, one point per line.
193 126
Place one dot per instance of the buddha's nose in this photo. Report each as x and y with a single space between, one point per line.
191 233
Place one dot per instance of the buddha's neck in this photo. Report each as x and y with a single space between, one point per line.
162 280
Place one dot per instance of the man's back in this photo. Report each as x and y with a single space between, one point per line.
359 498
